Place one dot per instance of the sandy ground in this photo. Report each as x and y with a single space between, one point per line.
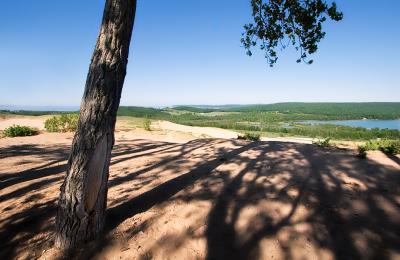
197 131
173 196
32 121
174 130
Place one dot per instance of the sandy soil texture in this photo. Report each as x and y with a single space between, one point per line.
31 121
176 132
208 199
197 131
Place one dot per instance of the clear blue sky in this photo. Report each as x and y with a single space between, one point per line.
189 52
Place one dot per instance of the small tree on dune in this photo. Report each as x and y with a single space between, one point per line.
83 196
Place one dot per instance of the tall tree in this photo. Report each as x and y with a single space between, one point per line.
83 198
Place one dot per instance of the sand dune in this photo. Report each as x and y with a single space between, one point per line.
31 121
174 196
208 199
197 131
179 132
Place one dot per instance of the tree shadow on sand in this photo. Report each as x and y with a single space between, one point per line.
394 158
343 207
37 188
296 194
287 198
268 199
33 186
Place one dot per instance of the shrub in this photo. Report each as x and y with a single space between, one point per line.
51 124
323 142
362 151
372 145
147 124
250 136
391 148
386 146
62 123
17 130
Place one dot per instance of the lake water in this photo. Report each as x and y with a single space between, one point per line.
390 124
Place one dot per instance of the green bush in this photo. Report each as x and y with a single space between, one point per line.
391 148
362 151
62 123
250 136
17 130
386 146
372 145
323 142
147 124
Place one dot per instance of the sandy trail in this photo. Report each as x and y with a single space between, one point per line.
197 131
209 199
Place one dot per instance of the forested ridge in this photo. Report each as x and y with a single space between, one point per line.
282 119
323 111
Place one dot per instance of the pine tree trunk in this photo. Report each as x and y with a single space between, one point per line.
83 197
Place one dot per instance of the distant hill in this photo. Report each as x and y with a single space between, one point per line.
283 119
210 108
370 110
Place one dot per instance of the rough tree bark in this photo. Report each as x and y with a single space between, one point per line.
83 198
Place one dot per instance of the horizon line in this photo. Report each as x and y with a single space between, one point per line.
76 107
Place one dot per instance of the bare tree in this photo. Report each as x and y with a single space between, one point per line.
83 197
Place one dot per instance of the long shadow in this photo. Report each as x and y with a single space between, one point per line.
30 188
321 190
136 146
394 158
166 190
151 152
59 151
326 214
185 149
56 172
32 174
19 227
50 155
326 195
223 241
383 219
221 236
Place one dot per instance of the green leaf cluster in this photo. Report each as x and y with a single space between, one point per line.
280 23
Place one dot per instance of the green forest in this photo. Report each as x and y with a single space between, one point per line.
281 119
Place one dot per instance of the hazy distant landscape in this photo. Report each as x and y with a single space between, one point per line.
342 121
284 119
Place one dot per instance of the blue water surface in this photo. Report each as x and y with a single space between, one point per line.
368 123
